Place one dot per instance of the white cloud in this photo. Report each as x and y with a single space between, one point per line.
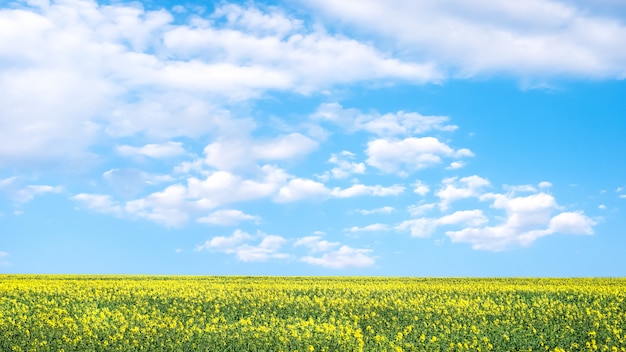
4 183
393 155
100 203
544 184
232 153
156 151
622 196
421 227
602 207
226 244
466 217
298 189
520 188
344 257
27 193
420 209
389 124
223 187
383 210
425 227
239 245
128 182
285 147
139 72
176 203
464 153
299 59
455 165
525 211
361 190
227 217
573 223
420 188
316 244
528 218
267 249
369 228
536 39
328 255
270 21
345 168
403 123
167 207
337 114
454 189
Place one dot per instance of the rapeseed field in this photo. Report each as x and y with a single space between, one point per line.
161 313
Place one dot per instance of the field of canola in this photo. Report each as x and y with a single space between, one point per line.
153 313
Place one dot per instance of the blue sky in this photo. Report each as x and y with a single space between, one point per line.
370 137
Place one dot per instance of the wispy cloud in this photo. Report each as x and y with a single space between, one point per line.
538 39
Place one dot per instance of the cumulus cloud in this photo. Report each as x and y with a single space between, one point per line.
529 214
420 188
333 255
176 203
232 153
538 39
572 223
227 217
455 165
409 154
528 218
544 184
316 244
345 167
156 151
425 227
344 257
421 227
298 189
225 243
140 72
223 187
167 207
400 123
454 189
239 245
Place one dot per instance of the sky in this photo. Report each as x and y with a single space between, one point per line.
313 137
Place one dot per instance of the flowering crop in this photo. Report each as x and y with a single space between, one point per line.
160 313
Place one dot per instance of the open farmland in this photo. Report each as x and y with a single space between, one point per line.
162 313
